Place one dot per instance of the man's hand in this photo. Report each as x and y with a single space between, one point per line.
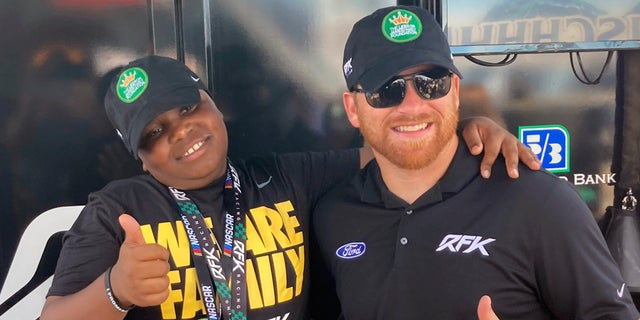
481 133
485 312
140 275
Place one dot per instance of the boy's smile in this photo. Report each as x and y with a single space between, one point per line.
186 147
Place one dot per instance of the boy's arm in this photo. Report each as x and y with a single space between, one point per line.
483 134
88 303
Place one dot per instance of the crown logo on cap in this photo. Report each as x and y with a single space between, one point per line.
401 26
131 84
400 19
128 78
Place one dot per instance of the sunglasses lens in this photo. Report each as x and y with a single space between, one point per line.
432 88
389 95
430 85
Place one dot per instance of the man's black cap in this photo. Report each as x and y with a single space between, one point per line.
390 40
144 89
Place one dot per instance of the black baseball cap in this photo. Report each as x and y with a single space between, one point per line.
390 40
144 89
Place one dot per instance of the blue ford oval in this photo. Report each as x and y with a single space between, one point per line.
351 250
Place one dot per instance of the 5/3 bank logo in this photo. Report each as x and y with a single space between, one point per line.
550 143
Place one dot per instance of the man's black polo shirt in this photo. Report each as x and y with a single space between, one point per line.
530 243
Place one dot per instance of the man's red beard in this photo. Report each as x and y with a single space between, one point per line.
411 154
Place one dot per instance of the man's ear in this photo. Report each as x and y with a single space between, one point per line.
351 108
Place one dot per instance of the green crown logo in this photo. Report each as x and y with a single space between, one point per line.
131 84
401 26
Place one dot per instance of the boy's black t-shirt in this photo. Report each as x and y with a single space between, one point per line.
280 192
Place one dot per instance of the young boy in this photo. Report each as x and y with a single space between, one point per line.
199 236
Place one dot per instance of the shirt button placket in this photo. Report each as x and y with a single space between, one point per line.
404 240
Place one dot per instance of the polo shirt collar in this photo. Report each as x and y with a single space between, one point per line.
462 170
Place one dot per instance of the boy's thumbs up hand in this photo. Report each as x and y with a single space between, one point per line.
139 277
132 231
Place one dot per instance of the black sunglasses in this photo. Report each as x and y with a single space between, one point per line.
430 84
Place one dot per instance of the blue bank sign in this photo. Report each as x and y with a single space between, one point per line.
550 143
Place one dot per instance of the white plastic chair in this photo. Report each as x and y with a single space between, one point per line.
26 265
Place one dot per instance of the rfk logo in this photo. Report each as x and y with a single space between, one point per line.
550 143
457 242
284 317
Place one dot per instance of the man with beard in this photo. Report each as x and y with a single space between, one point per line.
418 233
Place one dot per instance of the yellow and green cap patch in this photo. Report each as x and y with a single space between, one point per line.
401 26
131 84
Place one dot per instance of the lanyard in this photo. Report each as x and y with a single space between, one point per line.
225 266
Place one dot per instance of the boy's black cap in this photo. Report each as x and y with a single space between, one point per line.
390 40
144 89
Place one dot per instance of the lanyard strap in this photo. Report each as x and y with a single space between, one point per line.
224 267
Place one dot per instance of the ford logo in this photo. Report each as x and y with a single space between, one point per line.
351 250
